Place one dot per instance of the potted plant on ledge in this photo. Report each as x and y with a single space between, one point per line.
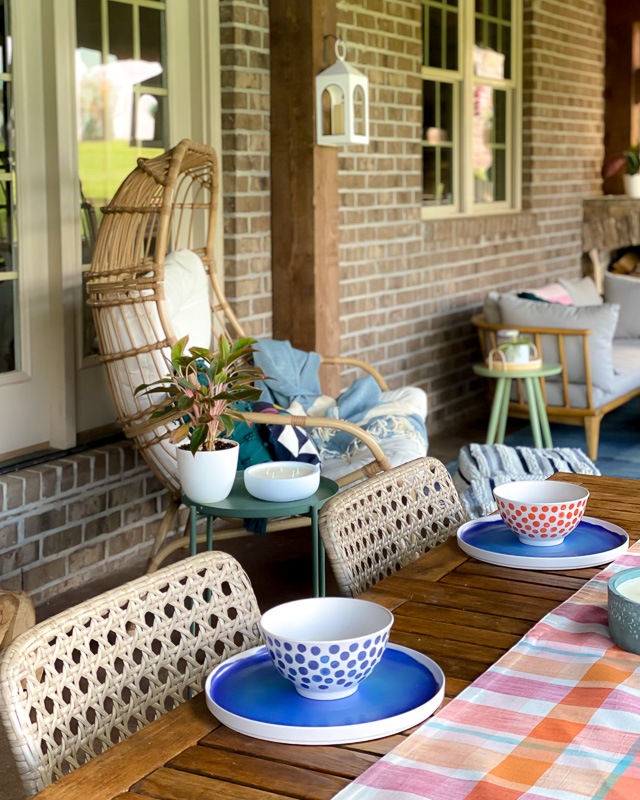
631 179
201 388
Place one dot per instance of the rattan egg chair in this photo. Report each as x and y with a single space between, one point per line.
169 203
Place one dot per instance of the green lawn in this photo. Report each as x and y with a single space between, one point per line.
104 165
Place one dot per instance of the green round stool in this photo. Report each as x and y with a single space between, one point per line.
500 408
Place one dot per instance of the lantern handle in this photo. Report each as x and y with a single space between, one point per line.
341 49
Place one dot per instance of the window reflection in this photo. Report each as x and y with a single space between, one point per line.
9 329
489 144
121 98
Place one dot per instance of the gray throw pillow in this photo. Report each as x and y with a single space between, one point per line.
582 291
601 320
625 291
491 308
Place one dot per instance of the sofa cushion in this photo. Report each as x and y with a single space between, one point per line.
625 291
601 320
583 292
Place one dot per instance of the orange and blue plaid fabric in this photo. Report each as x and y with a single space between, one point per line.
557 717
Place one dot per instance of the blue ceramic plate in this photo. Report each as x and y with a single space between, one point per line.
248 695
592 543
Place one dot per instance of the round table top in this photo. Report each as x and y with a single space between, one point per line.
544 372
242 505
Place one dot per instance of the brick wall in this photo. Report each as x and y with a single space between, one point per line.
408 286
244 52
69 521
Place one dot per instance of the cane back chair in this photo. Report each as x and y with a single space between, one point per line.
169 203
73 686
375 528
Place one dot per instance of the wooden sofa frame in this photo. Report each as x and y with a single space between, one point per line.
591 416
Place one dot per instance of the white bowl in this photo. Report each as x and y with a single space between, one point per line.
326 645
541 513
282 481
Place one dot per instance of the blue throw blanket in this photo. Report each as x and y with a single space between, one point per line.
294 378
293 374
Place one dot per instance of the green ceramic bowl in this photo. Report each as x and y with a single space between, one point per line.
624 612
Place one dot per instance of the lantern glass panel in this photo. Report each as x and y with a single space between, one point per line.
359 121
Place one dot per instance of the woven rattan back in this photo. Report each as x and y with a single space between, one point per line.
379 526
78 683
167 203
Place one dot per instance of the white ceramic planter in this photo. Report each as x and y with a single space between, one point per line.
517 353
207 477
632 185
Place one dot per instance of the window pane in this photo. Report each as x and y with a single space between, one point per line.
438 140
429 105
152 42
441 34
429 179
433 45
120 31
445 188
8 327
492 50
122 106
446 111
500 118
438 112
499 175
149 120
489 144
451 50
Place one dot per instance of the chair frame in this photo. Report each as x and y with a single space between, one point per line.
376 528
154 209
74 685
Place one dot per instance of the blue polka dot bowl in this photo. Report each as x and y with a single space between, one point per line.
326 646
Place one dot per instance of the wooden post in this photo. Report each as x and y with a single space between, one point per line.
304 184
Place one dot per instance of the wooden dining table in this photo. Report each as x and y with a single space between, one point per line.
462 613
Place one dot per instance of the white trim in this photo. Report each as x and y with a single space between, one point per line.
64 210
26 422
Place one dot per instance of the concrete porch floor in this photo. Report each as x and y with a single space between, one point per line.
279 566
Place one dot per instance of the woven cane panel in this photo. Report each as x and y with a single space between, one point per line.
379 526
78 683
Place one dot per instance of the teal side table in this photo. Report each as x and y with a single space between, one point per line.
500 408
242 505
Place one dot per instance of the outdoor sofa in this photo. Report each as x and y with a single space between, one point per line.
596 340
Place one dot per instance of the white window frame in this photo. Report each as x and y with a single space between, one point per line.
464 81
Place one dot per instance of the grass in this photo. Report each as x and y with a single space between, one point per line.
104 165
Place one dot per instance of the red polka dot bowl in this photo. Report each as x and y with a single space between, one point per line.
541 513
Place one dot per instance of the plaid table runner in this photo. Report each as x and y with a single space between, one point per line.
558 716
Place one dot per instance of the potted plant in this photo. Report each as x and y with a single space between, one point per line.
631 159
515 349
201 388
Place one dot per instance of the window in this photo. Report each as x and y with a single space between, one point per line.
471 107
75 113
121 99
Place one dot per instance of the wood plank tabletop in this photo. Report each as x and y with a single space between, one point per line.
462 613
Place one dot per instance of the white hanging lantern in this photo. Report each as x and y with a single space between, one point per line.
342 103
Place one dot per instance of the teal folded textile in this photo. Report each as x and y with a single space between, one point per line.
293 374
